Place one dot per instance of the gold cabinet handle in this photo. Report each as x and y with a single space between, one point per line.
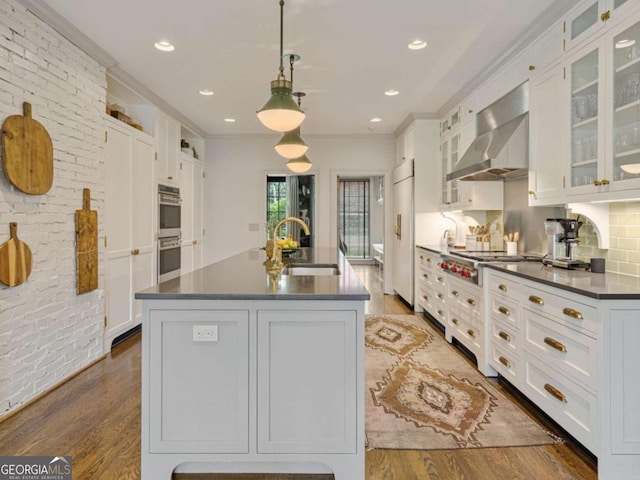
425 275
440 296
455 293
553 343
504 311
441 280
531 192
440 312
169 178
133 251
425 298
536 300
532 67
421 257
605 16
570 312
505 362
471 333
505 336
455 320
428 260
555 392
605 182
194 242
471 302
597 183
447 203
502 287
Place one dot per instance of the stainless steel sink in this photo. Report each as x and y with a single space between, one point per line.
311 269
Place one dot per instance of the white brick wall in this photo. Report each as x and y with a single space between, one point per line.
47 332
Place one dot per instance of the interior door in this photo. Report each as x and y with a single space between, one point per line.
403 230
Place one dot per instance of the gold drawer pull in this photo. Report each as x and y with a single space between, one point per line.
570 312
421 257
471 333
440 312
425 275
536 300
505 362
504 336
428 260
502 287
553 343
425 298
440 296
455 320
441 280
555 393
471 302
455 293
504 311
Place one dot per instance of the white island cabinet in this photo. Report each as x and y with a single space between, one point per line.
247 373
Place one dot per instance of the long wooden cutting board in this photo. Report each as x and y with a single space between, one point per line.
27 153
86 245
15 259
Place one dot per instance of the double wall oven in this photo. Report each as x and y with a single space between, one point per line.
169 236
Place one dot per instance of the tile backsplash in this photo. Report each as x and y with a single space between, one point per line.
623 255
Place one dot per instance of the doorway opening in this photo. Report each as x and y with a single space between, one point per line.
291 196
360 218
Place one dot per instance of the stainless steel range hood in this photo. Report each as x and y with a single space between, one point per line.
501 148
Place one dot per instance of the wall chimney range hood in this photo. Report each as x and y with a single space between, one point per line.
501 149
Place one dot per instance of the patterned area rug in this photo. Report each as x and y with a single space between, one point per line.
423 395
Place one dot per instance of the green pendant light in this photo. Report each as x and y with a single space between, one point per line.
299 165
281 113
291 145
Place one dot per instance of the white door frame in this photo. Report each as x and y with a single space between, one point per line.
387 277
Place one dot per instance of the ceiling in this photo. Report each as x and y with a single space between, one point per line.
351 52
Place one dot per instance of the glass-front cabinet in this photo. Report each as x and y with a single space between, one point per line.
590 17
450 157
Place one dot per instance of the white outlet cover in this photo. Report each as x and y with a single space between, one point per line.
205 333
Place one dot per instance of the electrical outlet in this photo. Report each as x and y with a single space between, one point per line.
205 333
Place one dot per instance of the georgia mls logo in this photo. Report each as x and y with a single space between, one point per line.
35 468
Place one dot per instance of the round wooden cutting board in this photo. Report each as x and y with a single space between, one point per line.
15 259
27 153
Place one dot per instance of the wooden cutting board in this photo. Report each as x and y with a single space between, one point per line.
87 245
27 153
15 259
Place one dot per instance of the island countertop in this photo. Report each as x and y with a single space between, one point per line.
244 277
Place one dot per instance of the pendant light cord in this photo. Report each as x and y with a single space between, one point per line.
281 38
292 58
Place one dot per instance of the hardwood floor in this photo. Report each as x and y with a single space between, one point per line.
95 417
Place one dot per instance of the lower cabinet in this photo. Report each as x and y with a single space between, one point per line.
245 382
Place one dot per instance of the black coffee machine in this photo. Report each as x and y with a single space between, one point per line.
562 237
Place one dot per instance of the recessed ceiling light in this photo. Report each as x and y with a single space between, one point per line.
376 120
164 46
391 92
206 93
230 120
625 43
417 45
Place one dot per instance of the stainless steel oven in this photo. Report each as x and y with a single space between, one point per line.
169 211
168 258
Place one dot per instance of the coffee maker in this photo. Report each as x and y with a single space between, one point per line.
562 238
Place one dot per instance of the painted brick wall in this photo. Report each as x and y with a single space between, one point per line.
47 332
623 255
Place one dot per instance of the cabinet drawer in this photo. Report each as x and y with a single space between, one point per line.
503 285
506 337
427 260
467 300
568 311
573 354
469 335
571 406
506 310
504 362
439 313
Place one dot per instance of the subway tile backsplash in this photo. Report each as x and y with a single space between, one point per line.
623 255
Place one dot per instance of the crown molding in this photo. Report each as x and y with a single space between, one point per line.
412 117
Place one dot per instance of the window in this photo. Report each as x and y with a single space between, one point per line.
354 223
276 200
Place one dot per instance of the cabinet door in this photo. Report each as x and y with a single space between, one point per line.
444 160
118 205
198 179
403 242
186 258
173 146
186 194
167 146
194 409
547 138
547 50
585 74
584 21
307 381
143 218
624 143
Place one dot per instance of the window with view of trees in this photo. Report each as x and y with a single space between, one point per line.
354 221
276 200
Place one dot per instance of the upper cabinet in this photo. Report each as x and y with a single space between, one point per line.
547 50
405 144
167 148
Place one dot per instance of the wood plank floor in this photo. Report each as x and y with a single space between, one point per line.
95 417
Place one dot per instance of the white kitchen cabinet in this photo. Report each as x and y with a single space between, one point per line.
167 148
423 148
403 243
129 224
431 286
547 141
405 144
191 178
511 75
547 50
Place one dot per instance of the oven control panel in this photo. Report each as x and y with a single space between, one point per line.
468 272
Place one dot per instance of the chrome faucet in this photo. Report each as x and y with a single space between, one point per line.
275 265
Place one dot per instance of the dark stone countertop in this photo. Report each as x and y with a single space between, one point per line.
603 286
244 277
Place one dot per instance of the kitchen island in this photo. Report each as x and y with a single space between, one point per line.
247 372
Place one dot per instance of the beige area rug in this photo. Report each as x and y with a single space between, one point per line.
423 395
